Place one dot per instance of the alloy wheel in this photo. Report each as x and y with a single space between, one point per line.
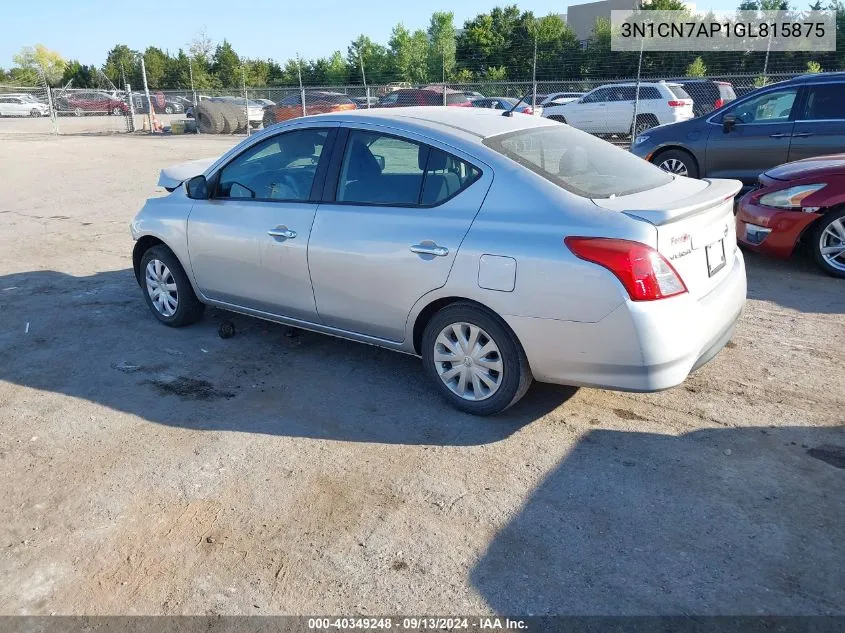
161 288
468 361
832 244
674 166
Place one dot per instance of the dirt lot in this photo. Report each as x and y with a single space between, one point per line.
155 471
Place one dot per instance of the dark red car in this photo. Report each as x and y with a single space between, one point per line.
424 97
89 102
802 201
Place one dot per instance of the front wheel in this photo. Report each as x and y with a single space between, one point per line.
829 243
168 110
475 360
116 111
677 162
167 291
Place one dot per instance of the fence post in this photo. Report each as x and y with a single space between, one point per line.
364 78
534 74
246 100
131 108
53 116
301 89
147 93
637 96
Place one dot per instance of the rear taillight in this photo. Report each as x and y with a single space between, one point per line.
718 103
643 271
528 110
677 104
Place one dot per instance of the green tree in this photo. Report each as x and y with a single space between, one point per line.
81 75
156 62
378 66
442 45
410 54
123 61
814 67
663 5
697 68
34 59
226 66
337 71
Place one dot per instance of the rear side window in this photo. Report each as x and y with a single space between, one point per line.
578 162
726 92
649 92
825 101
678 92
455 97
385 170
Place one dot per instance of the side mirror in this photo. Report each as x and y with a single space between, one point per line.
379 160
728 122
197 188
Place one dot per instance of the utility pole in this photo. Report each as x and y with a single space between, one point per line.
191 75
364 77
534 73
147 93
301 89
443 56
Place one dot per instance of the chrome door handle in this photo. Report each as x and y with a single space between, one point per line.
802 134
425 249
282 232
779 135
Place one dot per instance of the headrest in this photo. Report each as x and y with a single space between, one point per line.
435 159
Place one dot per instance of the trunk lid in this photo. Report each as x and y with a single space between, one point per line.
695 226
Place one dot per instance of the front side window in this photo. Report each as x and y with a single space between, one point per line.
280 168
578 162
825 101
386 170
596 96
771 107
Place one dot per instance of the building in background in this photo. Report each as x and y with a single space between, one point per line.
581 18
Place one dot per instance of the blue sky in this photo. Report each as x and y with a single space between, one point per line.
87 29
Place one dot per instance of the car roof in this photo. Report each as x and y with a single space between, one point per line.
466 124
817 77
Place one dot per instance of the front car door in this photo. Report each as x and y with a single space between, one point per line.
248 242
759 140
820 122
397 210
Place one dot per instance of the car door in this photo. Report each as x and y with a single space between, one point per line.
588 113
619 112
6 107
820 123
759 140
396 213
248 242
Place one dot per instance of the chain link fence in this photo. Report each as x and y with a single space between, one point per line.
614 109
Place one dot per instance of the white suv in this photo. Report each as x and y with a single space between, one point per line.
610 109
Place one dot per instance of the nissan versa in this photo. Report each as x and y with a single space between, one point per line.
501 249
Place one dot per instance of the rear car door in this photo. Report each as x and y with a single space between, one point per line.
759 140
397 209
619 111
248 243
820 124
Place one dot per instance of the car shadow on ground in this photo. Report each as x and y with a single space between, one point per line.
796 283
94 338
616 523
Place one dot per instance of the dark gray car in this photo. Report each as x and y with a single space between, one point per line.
783 122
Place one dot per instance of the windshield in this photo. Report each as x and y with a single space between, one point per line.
578 162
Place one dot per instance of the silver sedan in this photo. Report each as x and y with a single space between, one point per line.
501 249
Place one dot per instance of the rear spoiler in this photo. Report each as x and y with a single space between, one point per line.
171 177
716 192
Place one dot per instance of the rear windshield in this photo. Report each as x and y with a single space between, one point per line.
679 92
455 97
578 162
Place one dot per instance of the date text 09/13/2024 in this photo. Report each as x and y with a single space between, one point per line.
417 624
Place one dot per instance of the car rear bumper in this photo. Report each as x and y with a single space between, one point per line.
771 231
640 346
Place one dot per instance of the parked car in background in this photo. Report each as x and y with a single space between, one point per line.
264 102
707 94
162 104
506 103
558 98
81 102
316 102
424 97
21 106
787 121
500 249
610 109
396 85
472 95
802 201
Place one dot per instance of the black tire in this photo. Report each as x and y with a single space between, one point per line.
209 117
556 117
269 118
677 155
35 113
644 122
818 233
189 309
234 118
516 375
117 111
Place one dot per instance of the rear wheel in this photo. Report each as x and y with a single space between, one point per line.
474 359
78 111
167 291
677 162
644 122
829 243
168 109
35 112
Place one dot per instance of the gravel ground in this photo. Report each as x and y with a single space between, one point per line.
148 470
